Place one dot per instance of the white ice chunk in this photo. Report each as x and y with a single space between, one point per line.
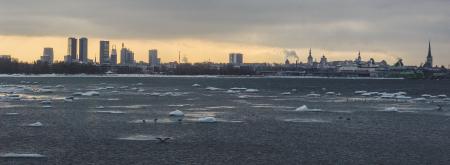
426 95
442 96
313 95
212 88
252 90
37 124
330 93
391 109
90 93
110 112
306 109
360 92
207 120
286 93
176 113
139 138
237 88
17 155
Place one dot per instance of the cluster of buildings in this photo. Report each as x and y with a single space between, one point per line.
77 52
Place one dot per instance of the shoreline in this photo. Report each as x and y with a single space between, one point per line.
192 76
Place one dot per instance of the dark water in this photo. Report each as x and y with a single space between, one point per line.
260 127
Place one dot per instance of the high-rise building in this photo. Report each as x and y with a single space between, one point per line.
113 60
236 58
429 62
47 56
67 59
126 56
83 50
104 52
153 59
72 49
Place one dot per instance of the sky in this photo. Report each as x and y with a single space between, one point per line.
207 30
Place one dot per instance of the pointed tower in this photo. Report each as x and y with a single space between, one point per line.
358 59
310 58
429 62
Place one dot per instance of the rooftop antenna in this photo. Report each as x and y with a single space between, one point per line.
179 57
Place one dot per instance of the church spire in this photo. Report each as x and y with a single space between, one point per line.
429 62
429 49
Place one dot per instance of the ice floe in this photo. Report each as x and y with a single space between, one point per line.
91 93
176 113
252 90
426 95
243 97
37 124
305 108
130 106
139 138
221 107
47 106
237 88
306 120
69 99
286 93
391 109
442 96
110 112
207 120
21 155
179 105
232 91
330 93
167 94
403 97
11 114
313 95
212 88
100 107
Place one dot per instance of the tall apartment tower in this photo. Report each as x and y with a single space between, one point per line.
236 58
72 49
113 60
126 56
104 52
47 56
153 59
83 50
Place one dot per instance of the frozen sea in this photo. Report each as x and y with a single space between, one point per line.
223 120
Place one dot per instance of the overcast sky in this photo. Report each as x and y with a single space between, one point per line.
400 28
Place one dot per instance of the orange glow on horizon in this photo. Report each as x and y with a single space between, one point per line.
30 49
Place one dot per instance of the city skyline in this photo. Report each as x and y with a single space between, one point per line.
204 30
303 53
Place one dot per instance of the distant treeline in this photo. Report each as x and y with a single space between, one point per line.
15 67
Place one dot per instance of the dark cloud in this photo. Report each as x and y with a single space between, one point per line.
400 26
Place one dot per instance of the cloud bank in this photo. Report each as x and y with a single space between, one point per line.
400 27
